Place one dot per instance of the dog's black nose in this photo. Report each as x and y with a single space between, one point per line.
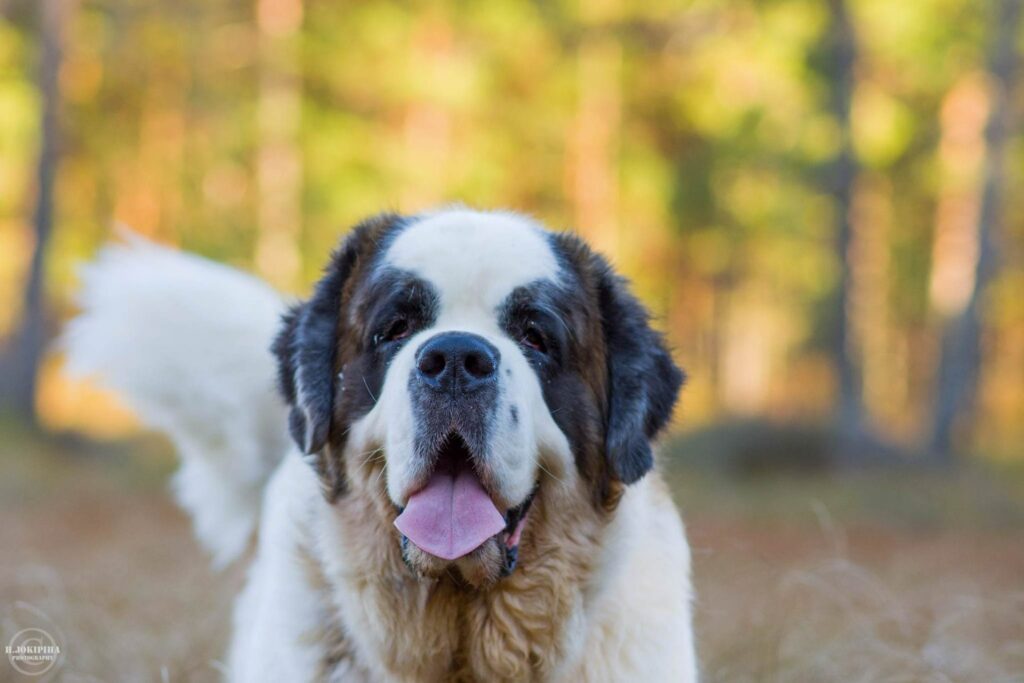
457 362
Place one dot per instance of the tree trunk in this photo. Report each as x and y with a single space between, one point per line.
957 377
592 154
279 158
842 58
21 361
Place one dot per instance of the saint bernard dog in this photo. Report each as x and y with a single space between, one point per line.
469 491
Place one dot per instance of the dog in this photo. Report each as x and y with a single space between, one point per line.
468 492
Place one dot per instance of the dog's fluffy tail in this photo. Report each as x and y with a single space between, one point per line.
185 342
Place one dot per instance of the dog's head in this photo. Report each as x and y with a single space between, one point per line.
466 364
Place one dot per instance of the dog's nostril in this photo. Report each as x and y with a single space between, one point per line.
432 364
478 365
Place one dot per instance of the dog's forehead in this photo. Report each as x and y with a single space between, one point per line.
474 258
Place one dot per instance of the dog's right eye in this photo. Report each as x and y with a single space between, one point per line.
398 330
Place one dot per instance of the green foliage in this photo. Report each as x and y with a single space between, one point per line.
699 132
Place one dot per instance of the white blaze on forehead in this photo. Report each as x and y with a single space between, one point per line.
474 258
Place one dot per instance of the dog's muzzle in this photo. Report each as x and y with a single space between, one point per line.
454 389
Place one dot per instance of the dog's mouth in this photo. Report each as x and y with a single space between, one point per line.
453 515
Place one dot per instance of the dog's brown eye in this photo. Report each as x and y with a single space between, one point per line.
398 330
533 339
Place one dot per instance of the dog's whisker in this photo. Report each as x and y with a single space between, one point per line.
549 473
369 456
368 390
379 474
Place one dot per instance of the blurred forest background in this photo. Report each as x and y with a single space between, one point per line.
818 199
815 196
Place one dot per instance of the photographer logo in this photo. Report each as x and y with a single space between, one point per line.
32 651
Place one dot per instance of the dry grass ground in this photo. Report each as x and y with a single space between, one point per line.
874 577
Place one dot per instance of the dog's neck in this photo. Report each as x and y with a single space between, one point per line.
377 613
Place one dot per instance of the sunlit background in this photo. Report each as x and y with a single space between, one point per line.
817 198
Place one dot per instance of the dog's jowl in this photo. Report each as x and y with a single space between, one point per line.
470 491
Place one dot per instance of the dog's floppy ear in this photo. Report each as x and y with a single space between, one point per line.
307 345
643 380
305 349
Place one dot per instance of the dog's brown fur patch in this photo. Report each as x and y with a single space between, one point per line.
442 629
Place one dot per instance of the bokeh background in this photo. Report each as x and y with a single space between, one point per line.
817 198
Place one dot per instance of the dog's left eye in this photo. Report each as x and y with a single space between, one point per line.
533 338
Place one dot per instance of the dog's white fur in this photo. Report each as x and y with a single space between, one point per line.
185 341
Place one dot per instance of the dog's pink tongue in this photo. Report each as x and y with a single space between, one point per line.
450 517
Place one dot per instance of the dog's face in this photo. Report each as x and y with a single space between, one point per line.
466 364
